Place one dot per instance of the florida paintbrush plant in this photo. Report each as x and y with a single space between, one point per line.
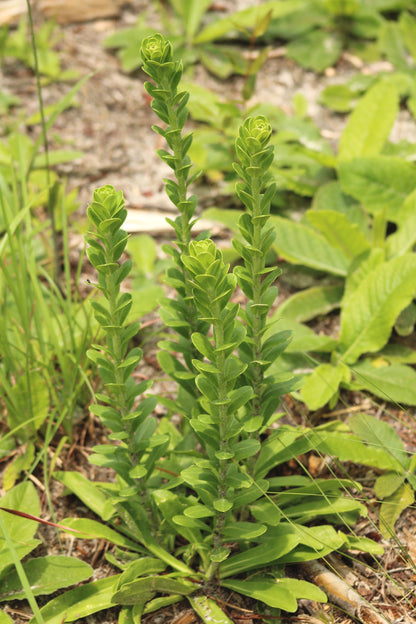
201 502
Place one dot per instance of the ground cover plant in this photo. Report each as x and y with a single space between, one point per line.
208 503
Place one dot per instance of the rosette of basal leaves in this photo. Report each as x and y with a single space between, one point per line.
218 479
256 280
130 424
170 106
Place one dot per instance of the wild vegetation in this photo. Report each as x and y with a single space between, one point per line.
214 493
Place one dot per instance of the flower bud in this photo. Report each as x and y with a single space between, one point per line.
156 48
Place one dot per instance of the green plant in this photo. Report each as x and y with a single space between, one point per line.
319 30
17 45
345 237
183 494
195 42
396 44
35 576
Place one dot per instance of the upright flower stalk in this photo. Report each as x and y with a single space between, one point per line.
115 361
255 156
170 107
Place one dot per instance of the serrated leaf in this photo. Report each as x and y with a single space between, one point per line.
370 124
367 317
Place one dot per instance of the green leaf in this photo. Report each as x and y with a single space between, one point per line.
89 493
370 123
323 384
392 507
245 19
285 538
45 575
222 505
92 529
388 483
80 602
316 50
208 610
271 592
395 383
22 497
4 618
339 232
131 593
192 12
243 531
367 317
379 434
301 244
311 302
402 241
378 182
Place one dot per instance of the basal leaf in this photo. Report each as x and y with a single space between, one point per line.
130 593
339 232
387 483
367 317
269 591
311 302
77 603
92 529
392 507
379 434
323 384
300 244
45 575
370 124
284 540
208 610
378 182
316 50
395 383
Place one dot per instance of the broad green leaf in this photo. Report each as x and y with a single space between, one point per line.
387 483
367 317
348 447
246 18
339 97
243 531
92 529
144 300
45 575
4 618
285 539
370 124
392 507
403 240
80 602
364 544
29 390
339 232
300 244
311 302
323 384
407 25
303 338
331 197
316 542
378 182
271 592
130 593
208 610
395 383
316 50
22 497
379 434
